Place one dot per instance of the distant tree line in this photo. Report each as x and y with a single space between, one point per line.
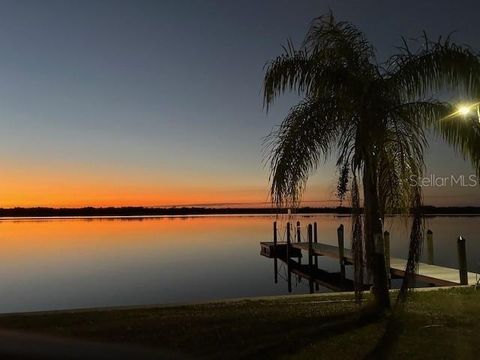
172 211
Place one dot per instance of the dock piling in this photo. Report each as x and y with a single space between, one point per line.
386 239
462 260
288 240
430 247
299 234
341 249
310 257
275 233
275 261
289 273
310 245
315 241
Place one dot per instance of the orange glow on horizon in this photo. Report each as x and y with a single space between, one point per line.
21 189
70 188
101 197
79 196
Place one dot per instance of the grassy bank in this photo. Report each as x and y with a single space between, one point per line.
437 324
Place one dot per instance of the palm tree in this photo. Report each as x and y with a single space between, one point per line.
374 119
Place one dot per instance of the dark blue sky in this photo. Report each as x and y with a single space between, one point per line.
128 102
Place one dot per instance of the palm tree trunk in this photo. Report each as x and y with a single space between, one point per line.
374 242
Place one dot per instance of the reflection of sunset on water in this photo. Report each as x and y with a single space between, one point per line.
103 262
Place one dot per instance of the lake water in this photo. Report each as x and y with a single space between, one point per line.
50 264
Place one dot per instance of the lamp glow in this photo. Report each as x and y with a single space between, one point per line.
464 109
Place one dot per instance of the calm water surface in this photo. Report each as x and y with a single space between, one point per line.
77 263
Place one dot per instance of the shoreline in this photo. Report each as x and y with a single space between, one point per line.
298 327
343 295
146 212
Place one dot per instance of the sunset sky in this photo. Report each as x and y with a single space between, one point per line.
159 102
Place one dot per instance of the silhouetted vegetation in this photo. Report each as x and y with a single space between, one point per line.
180 211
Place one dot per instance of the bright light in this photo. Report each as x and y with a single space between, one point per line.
467 110
464 109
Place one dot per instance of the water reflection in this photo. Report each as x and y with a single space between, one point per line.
75 263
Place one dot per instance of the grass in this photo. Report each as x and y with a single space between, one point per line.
439 324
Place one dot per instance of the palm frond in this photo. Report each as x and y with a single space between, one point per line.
438 66
463 134
402 155
344 42
334 59
291 71
296 147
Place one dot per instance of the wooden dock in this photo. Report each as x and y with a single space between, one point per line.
433 275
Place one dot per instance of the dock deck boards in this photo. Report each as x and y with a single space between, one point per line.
432 274
325 250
